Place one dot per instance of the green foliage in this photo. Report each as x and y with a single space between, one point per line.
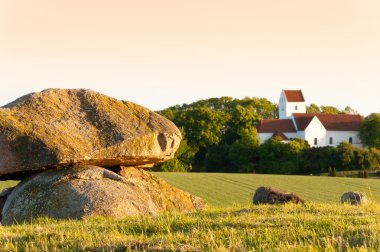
313 108
218 129
243 152
332 172
330 110
370 131
278 157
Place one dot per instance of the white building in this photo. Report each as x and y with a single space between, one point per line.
317 129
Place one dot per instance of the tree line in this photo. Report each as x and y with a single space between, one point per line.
219 135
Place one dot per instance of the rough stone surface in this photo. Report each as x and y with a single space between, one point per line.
60 127
87 191
354 198
269 195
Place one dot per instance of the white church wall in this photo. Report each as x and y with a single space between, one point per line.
315 129
291 135
264 137
282 106
343 136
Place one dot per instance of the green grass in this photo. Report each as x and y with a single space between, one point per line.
8 183
230 223
310 227
226 189
222 189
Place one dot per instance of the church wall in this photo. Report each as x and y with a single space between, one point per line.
315 130
341 136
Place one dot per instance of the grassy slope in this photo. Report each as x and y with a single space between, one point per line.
220 189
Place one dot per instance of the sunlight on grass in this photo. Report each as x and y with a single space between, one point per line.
315 226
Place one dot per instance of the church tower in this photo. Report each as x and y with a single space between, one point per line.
291 101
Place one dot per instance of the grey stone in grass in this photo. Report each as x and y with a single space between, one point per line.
270 195
354 198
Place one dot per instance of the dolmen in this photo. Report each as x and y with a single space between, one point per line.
79 154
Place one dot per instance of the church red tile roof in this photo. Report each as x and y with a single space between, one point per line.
294 96
330 122
273 125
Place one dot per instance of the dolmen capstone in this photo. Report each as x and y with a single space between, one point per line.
354 198
270 195
80 153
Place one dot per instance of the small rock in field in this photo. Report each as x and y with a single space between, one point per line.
269 195
354 198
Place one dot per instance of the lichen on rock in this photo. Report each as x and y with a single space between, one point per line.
61 127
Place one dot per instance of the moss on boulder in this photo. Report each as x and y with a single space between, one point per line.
61 127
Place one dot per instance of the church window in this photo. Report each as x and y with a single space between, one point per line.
315 141
331 140
296 107
350 140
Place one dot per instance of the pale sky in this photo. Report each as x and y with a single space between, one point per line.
167 52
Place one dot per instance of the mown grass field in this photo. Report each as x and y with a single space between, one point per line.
310 227
226 189
230 223
222 189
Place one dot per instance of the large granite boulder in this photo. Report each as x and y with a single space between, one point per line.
270 195
88 191
60 127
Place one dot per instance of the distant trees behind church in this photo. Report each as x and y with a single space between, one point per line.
313 108
370 131
219 135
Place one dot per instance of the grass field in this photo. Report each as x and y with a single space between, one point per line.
310 227
226 189
221 189
230 223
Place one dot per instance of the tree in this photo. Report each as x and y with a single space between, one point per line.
243 152
350 111
203 126
330 110
370 131
347 155
313 108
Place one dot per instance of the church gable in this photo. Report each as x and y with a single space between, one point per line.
330 122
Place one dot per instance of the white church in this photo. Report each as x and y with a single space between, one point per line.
317 129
